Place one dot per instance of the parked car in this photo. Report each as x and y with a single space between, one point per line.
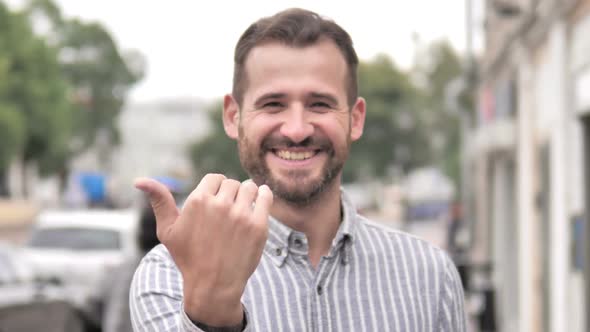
79 249
30 303
16 277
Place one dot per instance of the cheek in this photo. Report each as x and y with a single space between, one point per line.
255 131
337 130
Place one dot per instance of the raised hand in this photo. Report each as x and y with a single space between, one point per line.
216 241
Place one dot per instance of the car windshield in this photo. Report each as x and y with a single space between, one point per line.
75 238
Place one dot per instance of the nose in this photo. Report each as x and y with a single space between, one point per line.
296 125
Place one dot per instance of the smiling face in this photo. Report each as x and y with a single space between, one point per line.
294 127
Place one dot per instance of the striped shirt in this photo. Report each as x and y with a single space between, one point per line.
372 279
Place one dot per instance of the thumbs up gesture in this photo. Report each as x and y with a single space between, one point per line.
216 242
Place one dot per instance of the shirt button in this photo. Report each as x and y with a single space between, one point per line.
298 243
278 251
319 289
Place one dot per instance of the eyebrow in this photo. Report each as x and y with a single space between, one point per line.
270 95
278 95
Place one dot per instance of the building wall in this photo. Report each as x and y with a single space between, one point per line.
579 70
528 230
505 252
548 167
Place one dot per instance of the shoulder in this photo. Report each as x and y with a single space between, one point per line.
398 242
367 229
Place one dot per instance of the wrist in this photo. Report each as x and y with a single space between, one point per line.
213 309
235 328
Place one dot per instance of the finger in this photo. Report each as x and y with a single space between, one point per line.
208 187
228 190
161 200
263 204
246 194
210 184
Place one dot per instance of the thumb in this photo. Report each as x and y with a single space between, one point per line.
161 201
263 204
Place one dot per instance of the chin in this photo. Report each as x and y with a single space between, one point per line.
299 192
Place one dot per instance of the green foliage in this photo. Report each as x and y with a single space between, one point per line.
12 134
392 136
99 77
217 153
33 96
438 67
98 74
69 81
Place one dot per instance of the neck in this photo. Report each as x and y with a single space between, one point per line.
319 220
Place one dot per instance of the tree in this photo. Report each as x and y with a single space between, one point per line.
98 73
60 89
34 110
393 135
436 67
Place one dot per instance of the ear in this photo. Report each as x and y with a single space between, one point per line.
357 118
231 116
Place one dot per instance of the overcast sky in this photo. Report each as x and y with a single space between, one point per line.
189 44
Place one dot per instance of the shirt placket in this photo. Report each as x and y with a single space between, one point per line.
321 285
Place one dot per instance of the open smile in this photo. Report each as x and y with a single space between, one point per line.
294 155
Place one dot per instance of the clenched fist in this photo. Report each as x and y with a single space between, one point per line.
216 241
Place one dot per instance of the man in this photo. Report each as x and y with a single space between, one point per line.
287 251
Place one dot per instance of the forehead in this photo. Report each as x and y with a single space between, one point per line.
274 66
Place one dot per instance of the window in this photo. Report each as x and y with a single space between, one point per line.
75 239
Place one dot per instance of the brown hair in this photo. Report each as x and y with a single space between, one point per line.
298 28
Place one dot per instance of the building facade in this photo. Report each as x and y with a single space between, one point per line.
528 161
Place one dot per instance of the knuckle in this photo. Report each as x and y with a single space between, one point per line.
231 182
240 214
212 176
196 199
157 203
249 187
220 204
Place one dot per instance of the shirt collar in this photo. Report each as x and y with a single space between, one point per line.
282 240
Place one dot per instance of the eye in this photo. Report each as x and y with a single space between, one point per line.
272 104
320 106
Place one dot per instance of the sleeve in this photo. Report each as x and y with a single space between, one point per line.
452 315
156 296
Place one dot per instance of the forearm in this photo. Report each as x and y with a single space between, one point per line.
203 302
156 300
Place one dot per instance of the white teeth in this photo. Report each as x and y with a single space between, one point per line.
288 155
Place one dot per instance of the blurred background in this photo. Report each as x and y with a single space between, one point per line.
477 139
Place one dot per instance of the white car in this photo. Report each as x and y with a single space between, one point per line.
17 282
80 249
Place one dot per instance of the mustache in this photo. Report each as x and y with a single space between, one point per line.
316 142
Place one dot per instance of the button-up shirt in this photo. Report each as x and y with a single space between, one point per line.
372 279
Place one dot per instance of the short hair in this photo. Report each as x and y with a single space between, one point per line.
298 28
146 234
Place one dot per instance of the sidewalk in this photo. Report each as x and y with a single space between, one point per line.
16 218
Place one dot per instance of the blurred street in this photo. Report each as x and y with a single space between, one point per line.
481 148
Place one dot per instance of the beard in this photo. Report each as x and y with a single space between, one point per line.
295 186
